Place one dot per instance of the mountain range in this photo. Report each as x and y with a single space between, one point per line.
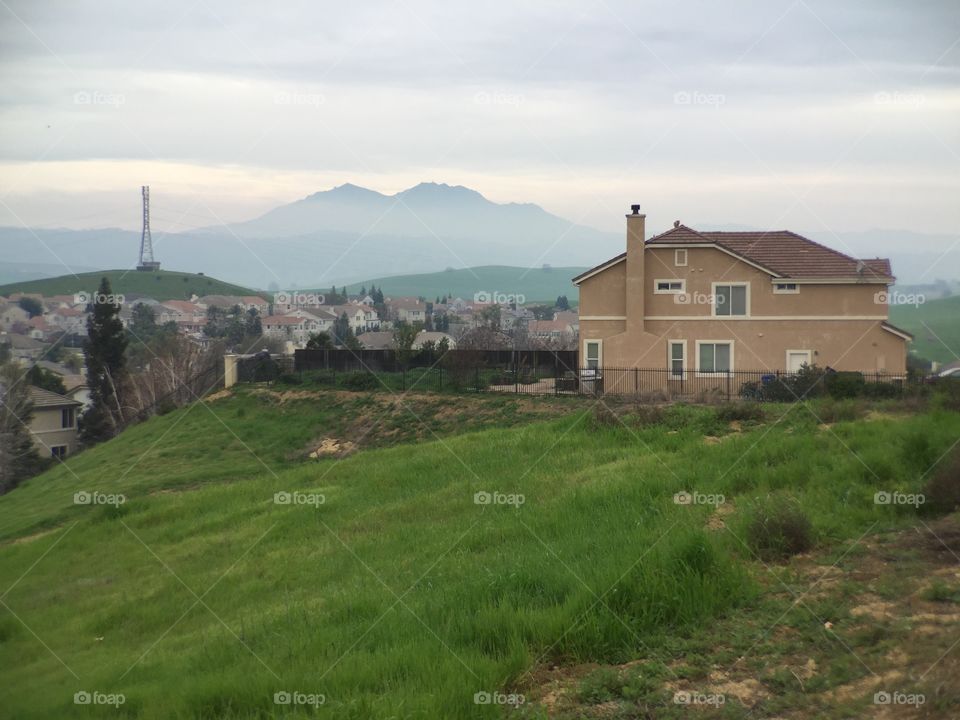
350 233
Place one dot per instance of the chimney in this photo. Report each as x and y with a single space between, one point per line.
636 235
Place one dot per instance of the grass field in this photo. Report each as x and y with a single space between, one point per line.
397 594
935 326
161 285
535 284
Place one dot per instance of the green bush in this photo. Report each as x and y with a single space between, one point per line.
290 379
842 385
777 527
604 417
832 411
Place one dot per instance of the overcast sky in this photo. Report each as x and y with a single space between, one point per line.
776 113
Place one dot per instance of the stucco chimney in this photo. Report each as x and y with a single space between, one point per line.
636 235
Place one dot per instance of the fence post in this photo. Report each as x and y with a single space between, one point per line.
728 385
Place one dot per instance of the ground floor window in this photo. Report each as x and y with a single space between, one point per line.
714 356
677 351
58 451
591 352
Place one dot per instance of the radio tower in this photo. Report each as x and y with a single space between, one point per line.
147 263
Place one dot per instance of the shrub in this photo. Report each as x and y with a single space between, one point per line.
740 411
290 379
647 415
832 411
777 527
947 394
942 490
360 381
842 385
882 390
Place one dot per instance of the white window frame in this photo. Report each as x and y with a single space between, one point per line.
777 290
683 359
681 291
713 305
677 254
788 353
718 341
599 344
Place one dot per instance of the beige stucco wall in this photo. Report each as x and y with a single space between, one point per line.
46 432
839 324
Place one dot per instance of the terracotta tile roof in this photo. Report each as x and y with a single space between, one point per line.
281 320
783 252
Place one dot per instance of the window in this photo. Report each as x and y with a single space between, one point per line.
714 356
671 287
730 300
592 354
786 288
680 258
58 451
797 359
677 351
66 417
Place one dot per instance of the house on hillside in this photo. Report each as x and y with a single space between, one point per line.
710 303
408 310
53 424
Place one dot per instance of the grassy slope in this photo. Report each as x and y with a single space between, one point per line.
535 284
399 597
162 285
935 326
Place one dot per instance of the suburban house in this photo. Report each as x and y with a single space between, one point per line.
53 423
710 303
409 310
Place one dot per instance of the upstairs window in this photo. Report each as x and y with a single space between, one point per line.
680 258
730 301
786 288
67 417
672 287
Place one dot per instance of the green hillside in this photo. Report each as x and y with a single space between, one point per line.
935 326
535 284
397 593
161 285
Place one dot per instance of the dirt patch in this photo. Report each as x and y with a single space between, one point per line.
331 447
219 395
32 536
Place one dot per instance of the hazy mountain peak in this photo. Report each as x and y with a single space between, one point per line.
441 191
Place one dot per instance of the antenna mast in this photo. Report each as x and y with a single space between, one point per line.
147 263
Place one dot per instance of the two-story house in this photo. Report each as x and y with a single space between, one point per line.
53 423
709 303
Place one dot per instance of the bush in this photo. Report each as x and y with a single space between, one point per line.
604 416
832 411
647 415
882 390
842 385
947 394
290 379
777 527
942 490
740 411
360 381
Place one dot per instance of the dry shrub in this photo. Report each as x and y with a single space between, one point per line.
777 528
942 490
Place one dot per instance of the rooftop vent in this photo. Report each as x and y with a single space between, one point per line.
635 209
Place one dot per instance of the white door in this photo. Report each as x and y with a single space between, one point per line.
796 358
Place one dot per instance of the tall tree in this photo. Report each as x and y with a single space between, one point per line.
104 350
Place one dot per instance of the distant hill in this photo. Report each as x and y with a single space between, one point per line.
534 284
935 325
340 235
161 285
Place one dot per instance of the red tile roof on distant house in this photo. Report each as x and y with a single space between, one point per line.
780 252
183 306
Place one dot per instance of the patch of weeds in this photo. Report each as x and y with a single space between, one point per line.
604 417
740 411
602 685
941 592
942 490
648 415
833 411
778 528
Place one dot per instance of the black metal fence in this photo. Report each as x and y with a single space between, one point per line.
547 373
